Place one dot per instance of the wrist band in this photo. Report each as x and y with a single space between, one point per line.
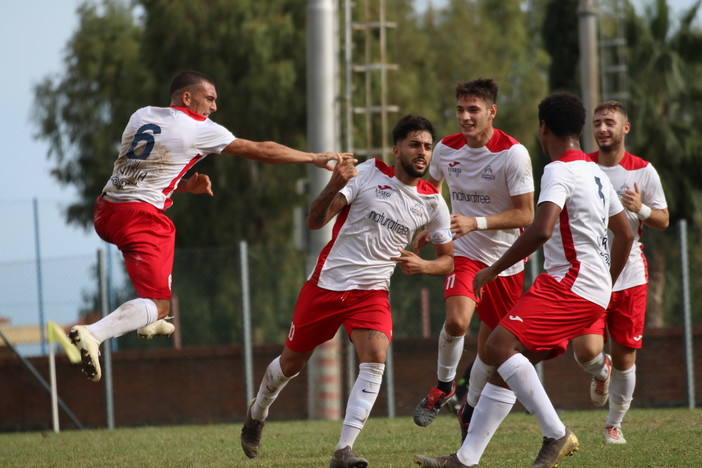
644 212
481 221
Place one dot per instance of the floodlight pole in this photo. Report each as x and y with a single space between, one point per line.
324 377
589 70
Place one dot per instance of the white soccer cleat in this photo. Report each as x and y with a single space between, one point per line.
613 435
158 328
89 349
599 389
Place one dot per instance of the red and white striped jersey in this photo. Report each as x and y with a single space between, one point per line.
159 145
632 169
380 218
578 251
481 182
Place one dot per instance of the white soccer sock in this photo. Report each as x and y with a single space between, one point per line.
595 367
272 384
621 392
522 378
479 375
492 408
129 316
361 400
450 351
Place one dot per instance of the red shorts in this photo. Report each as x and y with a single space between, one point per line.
146 238
549 315
320 312
499 296
625 317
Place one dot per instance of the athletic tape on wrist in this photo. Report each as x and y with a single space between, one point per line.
482 223
644 212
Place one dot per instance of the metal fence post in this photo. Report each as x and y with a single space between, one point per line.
107 345
687 320
246 314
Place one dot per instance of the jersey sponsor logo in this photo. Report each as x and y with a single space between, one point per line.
383 192
389 223
441 237
417 209
516 318
453 169
474 197
488 174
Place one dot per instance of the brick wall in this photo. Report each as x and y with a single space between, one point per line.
206 385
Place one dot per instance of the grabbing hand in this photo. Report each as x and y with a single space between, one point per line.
197 183
329 160
482 278
411 263
631 199
462 225
420 240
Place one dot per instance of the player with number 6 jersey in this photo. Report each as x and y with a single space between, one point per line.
159 146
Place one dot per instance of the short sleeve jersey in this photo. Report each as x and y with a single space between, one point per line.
159 145
577 254
380 218
630 170
481 182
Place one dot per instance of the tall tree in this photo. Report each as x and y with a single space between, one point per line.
666 108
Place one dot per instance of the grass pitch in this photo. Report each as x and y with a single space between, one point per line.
656 438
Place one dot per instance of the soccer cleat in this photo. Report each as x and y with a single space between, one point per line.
89 349
599 389
553 450
613 435
448 461
454 404
158 328
344 458
429 407
465 413
251 433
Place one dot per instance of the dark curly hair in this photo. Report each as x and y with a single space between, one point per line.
563 114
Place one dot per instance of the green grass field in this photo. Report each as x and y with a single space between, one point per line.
656 438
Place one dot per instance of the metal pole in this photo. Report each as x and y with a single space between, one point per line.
685 280
40 287
107 345
246 308
589 70
322 115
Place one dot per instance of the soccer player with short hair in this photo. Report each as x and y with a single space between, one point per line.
576 205
159 145
639 188
379 209
491 187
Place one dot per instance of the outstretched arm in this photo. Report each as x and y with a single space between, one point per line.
531 239
271 152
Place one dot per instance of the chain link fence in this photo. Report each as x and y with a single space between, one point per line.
208 304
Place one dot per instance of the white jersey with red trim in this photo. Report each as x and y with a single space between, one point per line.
380 218
634 170
159 145
481 182
577 254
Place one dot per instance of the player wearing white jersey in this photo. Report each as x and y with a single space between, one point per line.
639 187
379 209
159 146
576 206
491 188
